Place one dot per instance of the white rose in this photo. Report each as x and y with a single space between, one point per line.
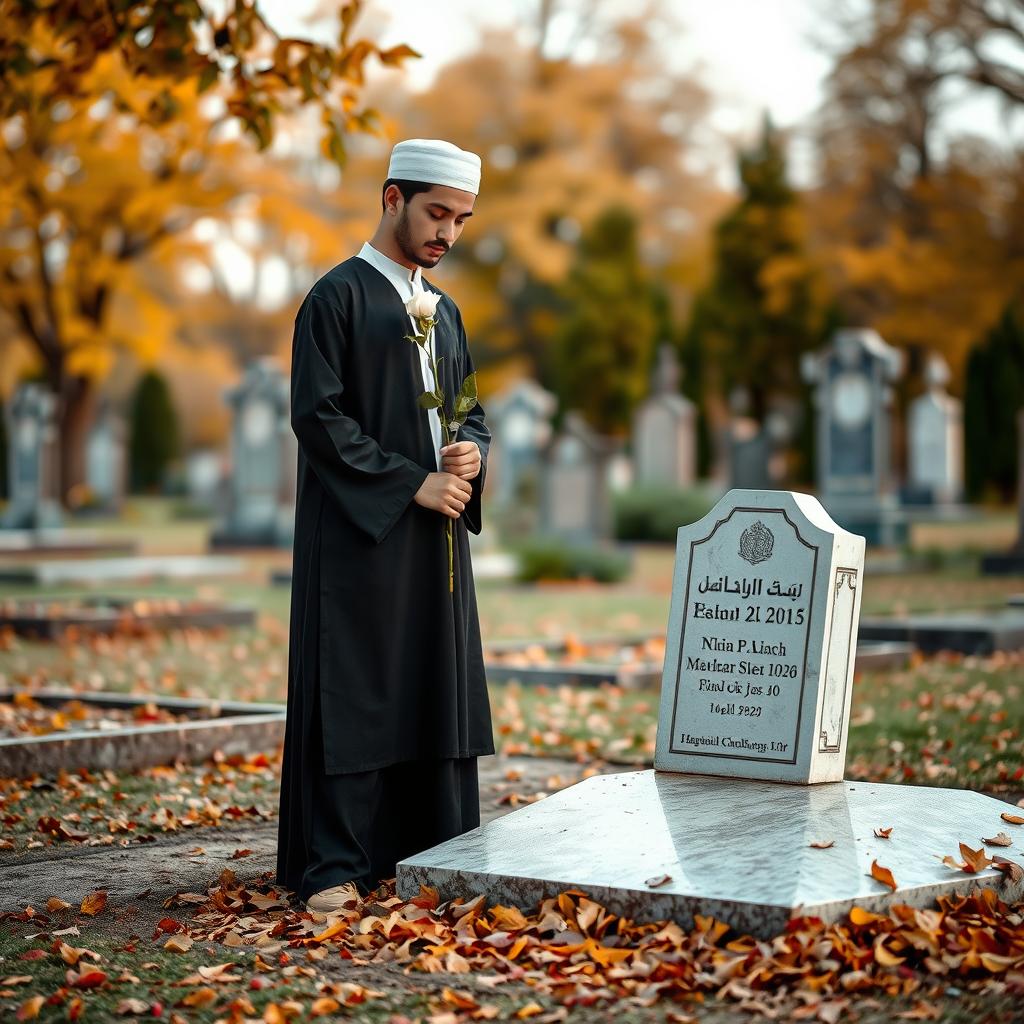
423 304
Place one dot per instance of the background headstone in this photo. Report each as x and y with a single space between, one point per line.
762 638
853 397
575 499
258 510
519 419
106 456
33 465
665 429
935 438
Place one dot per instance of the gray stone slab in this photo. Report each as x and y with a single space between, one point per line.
106 570
1015 600
50 619
233 727
963 632
736 849
62 542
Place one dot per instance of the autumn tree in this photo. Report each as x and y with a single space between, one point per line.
765 304
603 352
920 227
563 137
118 131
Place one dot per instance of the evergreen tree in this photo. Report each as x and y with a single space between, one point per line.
605 349
993 396
154 439
765 304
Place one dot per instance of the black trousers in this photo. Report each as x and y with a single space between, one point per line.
362 823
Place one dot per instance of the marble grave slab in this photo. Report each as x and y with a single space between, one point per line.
735 849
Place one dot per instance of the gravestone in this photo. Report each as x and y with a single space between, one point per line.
575 498
935 435
762 638
756 686
105 460
520 423
853 398
259 510
1012 561
33 465
204 479
665 429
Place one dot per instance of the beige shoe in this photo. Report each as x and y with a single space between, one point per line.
337 897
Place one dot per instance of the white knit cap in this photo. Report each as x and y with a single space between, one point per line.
436 161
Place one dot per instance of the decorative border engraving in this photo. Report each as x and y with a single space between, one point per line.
672 748
835 683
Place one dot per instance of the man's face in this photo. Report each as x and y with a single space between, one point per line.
429 224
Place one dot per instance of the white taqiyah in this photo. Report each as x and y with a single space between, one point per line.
436 161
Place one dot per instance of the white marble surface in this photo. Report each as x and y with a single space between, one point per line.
103 570
733 848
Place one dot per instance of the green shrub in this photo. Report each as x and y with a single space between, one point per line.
548 559
154 433
654 513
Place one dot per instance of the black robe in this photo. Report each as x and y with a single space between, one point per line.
393 659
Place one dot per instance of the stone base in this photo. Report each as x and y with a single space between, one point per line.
1011 563
109 570
232 727
965 633
654 845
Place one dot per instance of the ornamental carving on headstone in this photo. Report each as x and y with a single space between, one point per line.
756 543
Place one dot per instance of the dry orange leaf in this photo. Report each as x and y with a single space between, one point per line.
883 875
822 844
1013 871
860 916
323 1006
1000 840
94 902
658 880
529 1010
201 997
1013 819
179 943
29 1009
54 904
884 833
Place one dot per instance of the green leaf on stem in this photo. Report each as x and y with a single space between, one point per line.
429 400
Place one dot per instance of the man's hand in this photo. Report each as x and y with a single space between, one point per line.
461 458
445 493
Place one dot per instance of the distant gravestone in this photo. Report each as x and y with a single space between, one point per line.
749 455
33 465
935 435
575 499
664 429
520 423
105 459
853 396
762 638
258 510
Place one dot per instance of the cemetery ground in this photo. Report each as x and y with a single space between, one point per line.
150 893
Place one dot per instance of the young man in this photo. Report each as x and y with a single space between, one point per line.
387 700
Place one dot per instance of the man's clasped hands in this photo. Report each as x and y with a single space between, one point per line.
448 490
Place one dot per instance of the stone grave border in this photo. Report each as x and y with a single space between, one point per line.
871 655
109 617
232 727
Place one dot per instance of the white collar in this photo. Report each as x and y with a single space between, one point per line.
401 277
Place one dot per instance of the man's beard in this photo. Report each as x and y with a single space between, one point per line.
403 236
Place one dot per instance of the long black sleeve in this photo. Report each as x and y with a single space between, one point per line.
474 429
372 487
